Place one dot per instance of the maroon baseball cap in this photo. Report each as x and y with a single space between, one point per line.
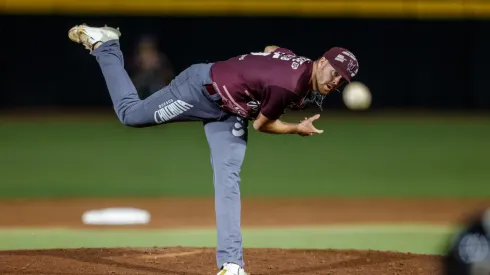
343 61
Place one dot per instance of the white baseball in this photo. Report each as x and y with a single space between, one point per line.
357 96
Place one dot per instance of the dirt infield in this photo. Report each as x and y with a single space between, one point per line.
182 261
177 213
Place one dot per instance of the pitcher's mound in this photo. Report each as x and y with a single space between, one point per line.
194 261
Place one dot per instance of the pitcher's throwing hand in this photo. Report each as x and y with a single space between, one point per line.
306 128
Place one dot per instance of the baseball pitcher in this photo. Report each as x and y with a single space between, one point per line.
225 96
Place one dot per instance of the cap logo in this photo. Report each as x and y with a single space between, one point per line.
352 68
349 54
340 58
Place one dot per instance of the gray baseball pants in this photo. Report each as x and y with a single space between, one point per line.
186 99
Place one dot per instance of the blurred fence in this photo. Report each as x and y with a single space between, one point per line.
413 54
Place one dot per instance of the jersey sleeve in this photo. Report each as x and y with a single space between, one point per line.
275 102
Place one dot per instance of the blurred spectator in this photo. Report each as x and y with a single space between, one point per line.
151 68
468 252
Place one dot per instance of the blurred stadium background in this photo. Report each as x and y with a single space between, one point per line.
397 177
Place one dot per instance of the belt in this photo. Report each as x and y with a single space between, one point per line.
210 89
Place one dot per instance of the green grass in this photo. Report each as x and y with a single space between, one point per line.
403 238
381 156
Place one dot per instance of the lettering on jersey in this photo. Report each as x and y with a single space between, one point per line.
260 53
254 104
296 61
170 109
301 60
287 57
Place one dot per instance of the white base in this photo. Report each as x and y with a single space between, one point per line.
116 216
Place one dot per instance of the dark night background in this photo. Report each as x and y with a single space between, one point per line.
428 64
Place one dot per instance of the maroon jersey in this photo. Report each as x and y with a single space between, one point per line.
262 82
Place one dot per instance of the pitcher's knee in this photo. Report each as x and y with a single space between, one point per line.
227 171
131 122
133 116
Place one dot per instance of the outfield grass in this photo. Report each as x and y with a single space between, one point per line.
382 156
404 238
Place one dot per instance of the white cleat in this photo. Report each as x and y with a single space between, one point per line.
232 269
91 36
